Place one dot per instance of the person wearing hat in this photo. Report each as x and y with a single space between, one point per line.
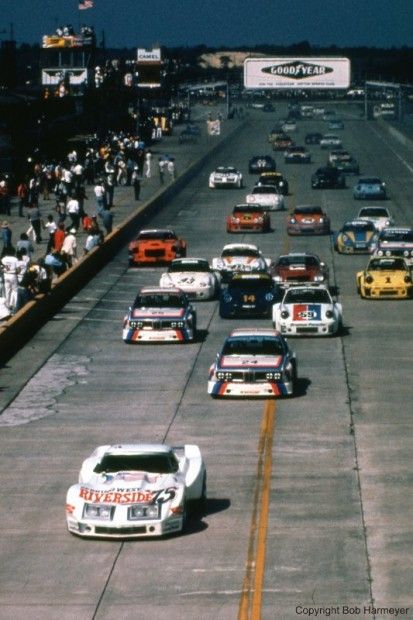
69 247
5 234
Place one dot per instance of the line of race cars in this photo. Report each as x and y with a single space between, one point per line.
143 490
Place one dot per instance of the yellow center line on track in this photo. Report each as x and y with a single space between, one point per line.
250 606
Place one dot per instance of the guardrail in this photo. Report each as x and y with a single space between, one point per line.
18 330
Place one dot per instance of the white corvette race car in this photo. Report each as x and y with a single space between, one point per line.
267 196
194 276
225 176
244 257
136 490
307 310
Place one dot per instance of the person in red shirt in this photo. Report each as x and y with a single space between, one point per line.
59 237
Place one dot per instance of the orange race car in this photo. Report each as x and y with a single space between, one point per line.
156 246
248 217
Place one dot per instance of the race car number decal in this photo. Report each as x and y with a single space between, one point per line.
127 497
307 312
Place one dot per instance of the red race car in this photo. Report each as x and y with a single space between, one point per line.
308 220
156 246
248 217
298 267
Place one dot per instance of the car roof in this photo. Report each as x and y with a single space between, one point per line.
240 246
138 448
160 289
254 331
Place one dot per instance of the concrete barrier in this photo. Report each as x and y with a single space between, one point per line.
16 332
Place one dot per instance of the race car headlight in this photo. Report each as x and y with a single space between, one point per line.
406 253
178 324
143 511
277 278
224 376
273 376
318 278
345 239
98 511
260 220
293 220
321 220
285 314
329 314
407 279
388 253
136 324
236 220
387 223
380 253
369 279
227 298
269 297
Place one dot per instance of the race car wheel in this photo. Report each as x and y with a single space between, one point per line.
198 506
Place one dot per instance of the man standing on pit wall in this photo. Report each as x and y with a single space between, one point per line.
148 164
34 217
136 182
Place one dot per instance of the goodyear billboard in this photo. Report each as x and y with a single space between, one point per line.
293 73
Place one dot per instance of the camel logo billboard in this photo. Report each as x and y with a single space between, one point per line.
296 73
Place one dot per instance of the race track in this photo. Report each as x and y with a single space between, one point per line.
310 502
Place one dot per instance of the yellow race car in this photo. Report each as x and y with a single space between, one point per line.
386 277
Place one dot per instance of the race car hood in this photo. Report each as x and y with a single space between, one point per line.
296 271
174 313
188 278
250 361
310 218
308 312
388 276
359 235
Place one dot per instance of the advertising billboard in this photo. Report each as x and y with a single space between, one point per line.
149 67
296 73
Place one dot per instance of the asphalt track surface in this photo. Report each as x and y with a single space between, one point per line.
310 502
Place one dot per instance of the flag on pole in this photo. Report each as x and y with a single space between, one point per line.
85 4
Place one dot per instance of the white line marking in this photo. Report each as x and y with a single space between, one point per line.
408 166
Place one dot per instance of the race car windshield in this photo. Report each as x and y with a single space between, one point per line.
369 226
305 261
159 300
165 463
397 236
250 286
264 189
308 296
387 263
189 266
159 235
226 171
371 181
240 252
253 346
308 211
374 212
249 209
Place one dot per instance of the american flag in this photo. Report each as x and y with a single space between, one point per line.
85 4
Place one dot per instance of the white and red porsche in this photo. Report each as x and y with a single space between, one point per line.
136 491
239 257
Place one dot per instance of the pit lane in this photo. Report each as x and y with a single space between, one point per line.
339 509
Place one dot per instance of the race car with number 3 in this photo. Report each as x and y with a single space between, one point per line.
136 491
253 362
160 315
307 310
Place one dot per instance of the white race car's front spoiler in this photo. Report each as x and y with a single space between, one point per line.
130 529
154 335
239 389
308 328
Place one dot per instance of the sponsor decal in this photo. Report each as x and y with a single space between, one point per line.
127 497
307 312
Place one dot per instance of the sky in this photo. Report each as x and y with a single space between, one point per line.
218 23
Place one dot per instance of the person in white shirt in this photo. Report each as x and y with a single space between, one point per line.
73 210
10 269
69 247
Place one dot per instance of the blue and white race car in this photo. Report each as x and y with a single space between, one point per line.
253 362
248 294
160 315
307 310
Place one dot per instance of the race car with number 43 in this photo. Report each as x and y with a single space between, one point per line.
194 276
136 491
